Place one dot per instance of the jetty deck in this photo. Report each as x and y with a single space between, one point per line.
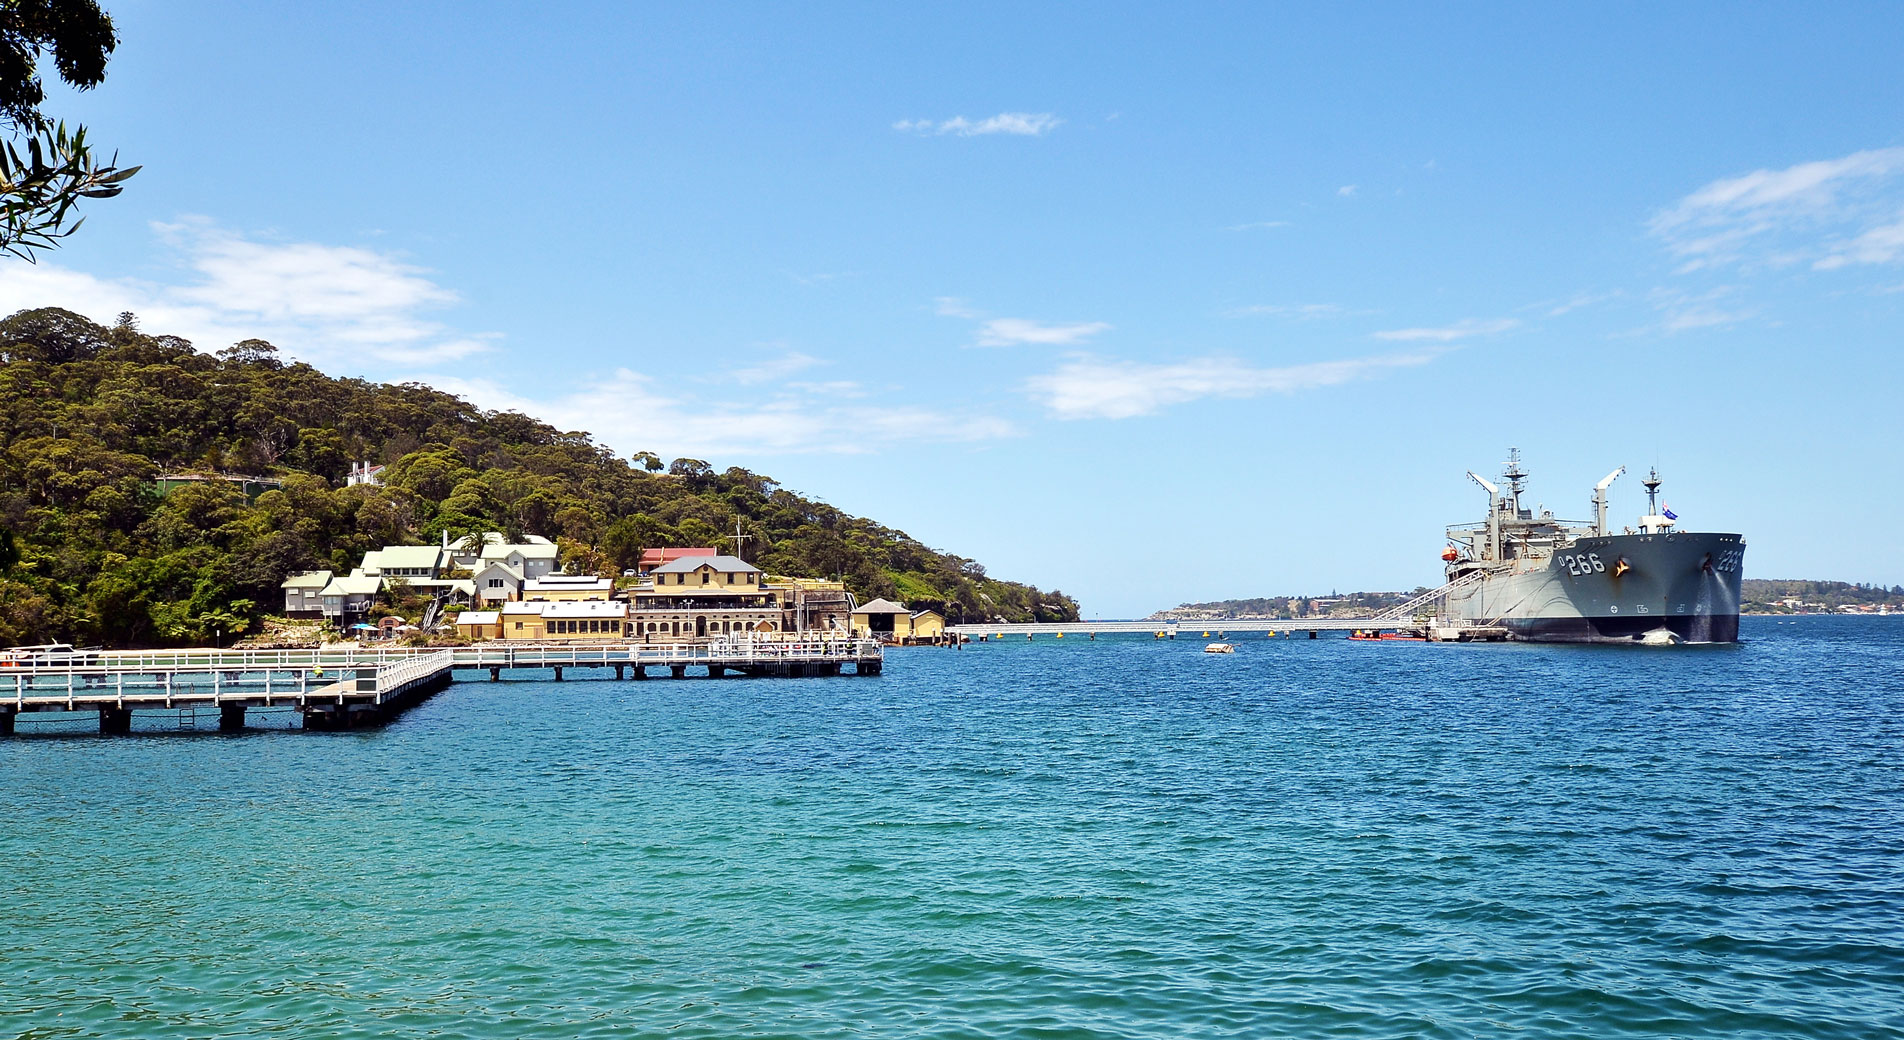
1173 629
351 687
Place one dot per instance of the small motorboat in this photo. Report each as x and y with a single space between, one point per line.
1219 648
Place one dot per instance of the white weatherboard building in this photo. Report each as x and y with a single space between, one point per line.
501 570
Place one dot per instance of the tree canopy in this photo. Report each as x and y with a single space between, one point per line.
95 415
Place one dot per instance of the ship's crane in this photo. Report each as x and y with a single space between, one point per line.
1493 517
1599 501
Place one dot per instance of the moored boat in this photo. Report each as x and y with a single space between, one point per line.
1543 579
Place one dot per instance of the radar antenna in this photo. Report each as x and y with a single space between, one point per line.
1515 476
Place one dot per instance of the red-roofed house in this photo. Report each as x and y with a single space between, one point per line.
652 558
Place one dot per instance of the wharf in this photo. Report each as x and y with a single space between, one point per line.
1172 629
347 688
1413 615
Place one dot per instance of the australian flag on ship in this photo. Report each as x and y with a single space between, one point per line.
1668 513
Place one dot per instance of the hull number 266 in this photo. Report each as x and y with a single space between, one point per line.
1583 563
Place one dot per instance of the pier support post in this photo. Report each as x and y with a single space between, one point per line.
619 669
6 721
558 673
115 720
231 718
495 675
641 671
680 670
1312 633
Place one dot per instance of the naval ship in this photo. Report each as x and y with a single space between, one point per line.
1533 577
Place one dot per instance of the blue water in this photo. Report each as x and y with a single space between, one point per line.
1076 839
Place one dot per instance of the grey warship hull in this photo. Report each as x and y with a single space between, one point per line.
1614 589
1526 574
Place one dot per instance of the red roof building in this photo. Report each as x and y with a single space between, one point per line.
652 558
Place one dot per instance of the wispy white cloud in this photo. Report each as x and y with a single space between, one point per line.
1682 311
1006 332
1303 311
953 307
318 302
1464 329
1009 332
1086 387
627 411
1259 225
1022 124
819 277
1576 302
1878 245
1828 211
1346 190
774 371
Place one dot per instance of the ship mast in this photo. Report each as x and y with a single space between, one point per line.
1651 483
1515 477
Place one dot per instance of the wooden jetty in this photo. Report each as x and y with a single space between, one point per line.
351 687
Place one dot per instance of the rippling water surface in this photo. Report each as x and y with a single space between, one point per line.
1075 839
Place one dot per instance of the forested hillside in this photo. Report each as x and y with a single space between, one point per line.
1788 596
91 552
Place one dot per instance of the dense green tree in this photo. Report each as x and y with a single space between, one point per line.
96 415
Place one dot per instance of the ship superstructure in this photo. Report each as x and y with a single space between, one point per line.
1530 575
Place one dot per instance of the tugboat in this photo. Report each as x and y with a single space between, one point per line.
1541 579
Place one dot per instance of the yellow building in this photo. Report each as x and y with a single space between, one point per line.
479 624
927 626
587 621
521 621
594 621
697 598
896 623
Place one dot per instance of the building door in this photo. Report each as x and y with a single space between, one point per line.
700 626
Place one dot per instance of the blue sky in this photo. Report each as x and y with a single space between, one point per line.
1144 305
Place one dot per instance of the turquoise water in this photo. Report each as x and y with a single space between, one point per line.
1076 839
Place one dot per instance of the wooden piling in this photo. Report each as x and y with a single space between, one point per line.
115 720
231 718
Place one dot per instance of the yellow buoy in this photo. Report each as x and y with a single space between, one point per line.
1061 635
1206 635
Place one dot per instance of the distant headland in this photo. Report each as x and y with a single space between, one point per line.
1759 596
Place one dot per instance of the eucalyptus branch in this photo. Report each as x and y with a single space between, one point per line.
40 188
